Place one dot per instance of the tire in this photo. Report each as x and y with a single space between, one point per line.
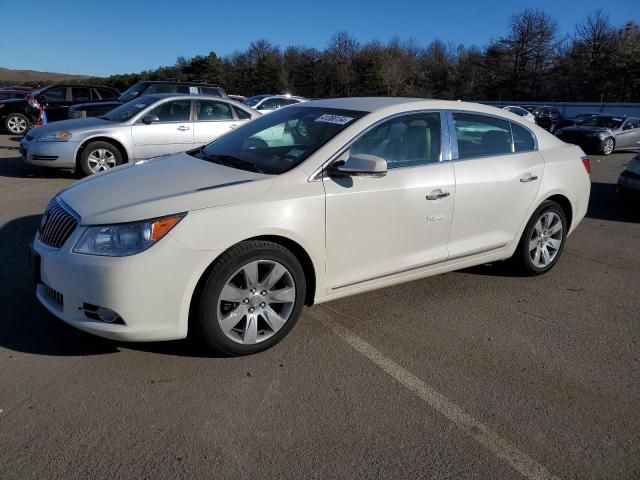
16 123
97 157
608 146
543 237
250 298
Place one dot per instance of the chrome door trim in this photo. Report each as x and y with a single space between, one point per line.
470 253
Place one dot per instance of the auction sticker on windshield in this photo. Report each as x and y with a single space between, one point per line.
337 119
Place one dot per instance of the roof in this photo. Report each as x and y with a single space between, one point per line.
363 104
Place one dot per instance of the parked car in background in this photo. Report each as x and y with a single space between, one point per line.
603 134
58 98
146 88
524 113
529 108
18 87
269 103
238 98
629 179
228 242
577 120
17 115
145 127
547 117
7 94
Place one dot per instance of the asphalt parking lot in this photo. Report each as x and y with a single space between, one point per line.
473 374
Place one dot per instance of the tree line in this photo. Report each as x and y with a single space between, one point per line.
598 61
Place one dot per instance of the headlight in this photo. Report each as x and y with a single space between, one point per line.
61 136
125 239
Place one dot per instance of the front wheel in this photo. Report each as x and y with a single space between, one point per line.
542 241
98 157
608 146
16 123
250 299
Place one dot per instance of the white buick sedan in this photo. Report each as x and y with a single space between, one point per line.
308 204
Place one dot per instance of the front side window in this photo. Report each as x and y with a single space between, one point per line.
210 110
57 94
404 141
278 142
173 111
481 135
632 123
270 104
160 88
523 140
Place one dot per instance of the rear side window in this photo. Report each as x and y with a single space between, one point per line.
210 110
481 135
80 94
105 93
523 139
211 91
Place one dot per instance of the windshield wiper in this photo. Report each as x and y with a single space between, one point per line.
227 160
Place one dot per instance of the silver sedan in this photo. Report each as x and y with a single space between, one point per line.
145 127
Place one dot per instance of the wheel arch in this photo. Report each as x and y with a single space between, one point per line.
298 250
564 203
111 140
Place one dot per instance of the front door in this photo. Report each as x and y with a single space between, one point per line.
629 136
171 133
498 175
379 227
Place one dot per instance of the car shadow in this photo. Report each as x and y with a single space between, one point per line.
26 326
16 167
606 204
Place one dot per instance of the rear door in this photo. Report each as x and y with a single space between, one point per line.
498 174
212 119
56 100
173 132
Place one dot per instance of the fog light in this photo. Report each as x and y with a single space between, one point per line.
95 312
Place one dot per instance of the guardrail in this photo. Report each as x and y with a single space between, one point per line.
570 109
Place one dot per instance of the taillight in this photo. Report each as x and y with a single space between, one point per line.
587 164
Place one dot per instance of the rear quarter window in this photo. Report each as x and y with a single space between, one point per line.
523 139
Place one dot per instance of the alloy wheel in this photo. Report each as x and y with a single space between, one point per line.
16 125
608 146
546 239
256 302
101 159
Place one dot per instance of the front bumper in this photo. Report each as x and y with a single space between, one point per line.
588 144
49 154
150 291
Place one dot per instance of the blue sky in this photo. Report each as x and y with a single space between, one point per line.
104 37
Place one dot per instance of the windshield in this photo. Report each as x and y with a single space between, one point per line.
132 92
252 101
129 109
277 142
607 122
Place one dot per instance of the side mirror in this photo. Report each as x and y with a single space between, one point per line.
361 165
149 119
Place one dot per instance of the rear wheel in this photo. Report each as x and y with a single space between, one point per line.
98 157
542 241
16 123
608 146
251 298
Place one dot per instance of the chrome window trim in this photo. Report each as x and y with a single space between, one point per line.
454 136
445 140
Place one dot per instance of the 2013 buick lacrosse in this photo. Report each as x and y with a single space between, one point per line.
308 204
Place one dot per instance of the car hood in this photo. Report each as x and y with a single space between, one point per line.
585 129
161 186
75 125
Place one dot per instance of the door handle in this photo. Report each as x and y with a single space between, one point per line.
528 178
184 129
437 195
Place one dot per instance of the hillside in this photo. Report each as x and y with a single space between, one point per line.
8 75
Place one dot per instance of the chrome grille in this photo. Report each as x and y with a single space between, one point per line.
57 225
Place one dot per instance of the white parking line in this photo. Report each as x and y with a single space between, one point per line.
519 460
